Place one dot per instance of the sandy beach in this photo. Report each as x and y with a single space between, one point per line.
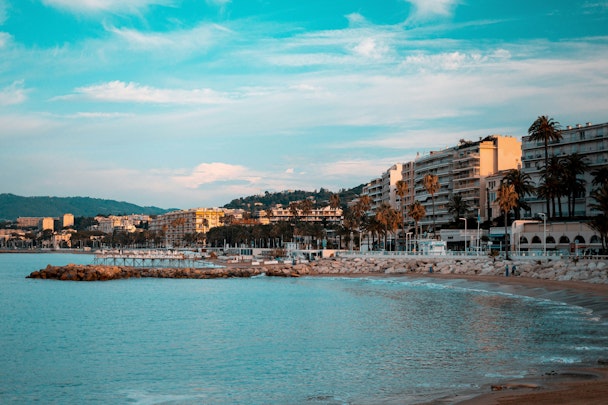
568 386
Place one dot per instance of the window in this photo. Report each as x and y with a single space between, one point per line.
564 239
536 239
579 239
550 239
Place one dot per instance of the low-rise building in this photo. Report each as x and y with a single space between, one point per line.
176 225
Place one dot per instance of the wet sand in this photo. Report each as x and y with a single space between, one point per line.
567 386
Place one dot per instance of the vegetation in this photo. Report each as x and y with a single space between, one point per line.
267 200
14 206
431 184
545 130
522 184
507 200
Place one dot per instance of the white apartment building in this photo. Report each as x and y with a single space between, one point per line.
384 189
589 141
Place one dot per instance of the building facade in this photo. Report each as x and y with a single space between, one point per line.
326 215
384 189
462 171
589 141
175 225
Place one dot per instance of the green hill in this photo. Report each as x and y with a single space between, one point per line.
14 206
261 202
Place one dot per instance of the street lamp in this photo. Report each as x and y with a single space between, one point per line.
465 234
542 214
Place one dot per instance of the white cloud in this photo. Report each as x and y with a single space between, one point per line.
13 94
426 9
197 39
117 91
95 6
207 173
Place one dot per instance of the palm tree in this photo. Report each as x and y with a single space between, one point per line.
522 182
507 200
402 189
547 130
334 201
360 209
552 186
416 211
457 207
600 222
574 165
431 184
600 176
389 218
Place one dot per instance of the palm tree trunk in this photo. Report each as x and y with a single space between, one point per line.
547 170
506 238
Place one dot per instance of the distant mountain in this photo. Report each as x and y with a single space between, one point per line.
14 206
263 201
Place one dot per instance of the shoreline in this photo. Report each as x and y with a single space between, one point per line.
581 384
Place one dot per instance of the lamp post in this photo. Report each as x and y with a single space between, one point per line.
465 234
542 214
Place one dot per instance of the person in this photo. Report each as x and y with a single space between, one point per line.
507 270
514 270
431 269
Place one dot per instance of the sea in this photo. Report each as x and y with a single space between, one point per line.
267 340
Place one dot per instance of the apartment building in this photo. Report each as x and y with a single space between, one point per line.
177 224
327 215
462 170
384 189
590 141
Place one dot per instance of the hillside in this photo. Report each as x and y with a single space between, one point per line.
262 202
14 206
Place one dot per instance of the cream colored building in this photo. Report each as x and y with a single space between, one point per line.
175 225
68 220
557 237
47 223
325 214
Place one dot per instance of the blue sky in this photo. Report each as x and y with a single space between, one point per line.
188 103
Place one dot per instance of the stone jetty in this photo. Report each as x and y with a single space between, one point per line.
592 271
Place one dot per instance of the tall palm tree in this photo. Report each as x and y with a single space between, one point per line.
402 190
416 211
457 207
360 209
574 165
432 186
552 186
507 200
547 130
522 182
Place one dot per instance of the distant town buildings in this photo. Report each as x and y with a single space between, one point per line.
177 224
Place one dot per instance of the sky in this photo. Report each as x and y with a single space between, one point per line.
192 103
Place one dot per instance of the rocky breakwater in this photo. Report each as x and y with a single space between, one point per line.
74 272
591 271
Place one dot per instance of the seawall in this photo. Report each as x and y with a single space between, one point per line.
591 271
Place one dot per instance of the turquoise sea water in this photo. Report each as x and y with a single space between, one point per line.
273 340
